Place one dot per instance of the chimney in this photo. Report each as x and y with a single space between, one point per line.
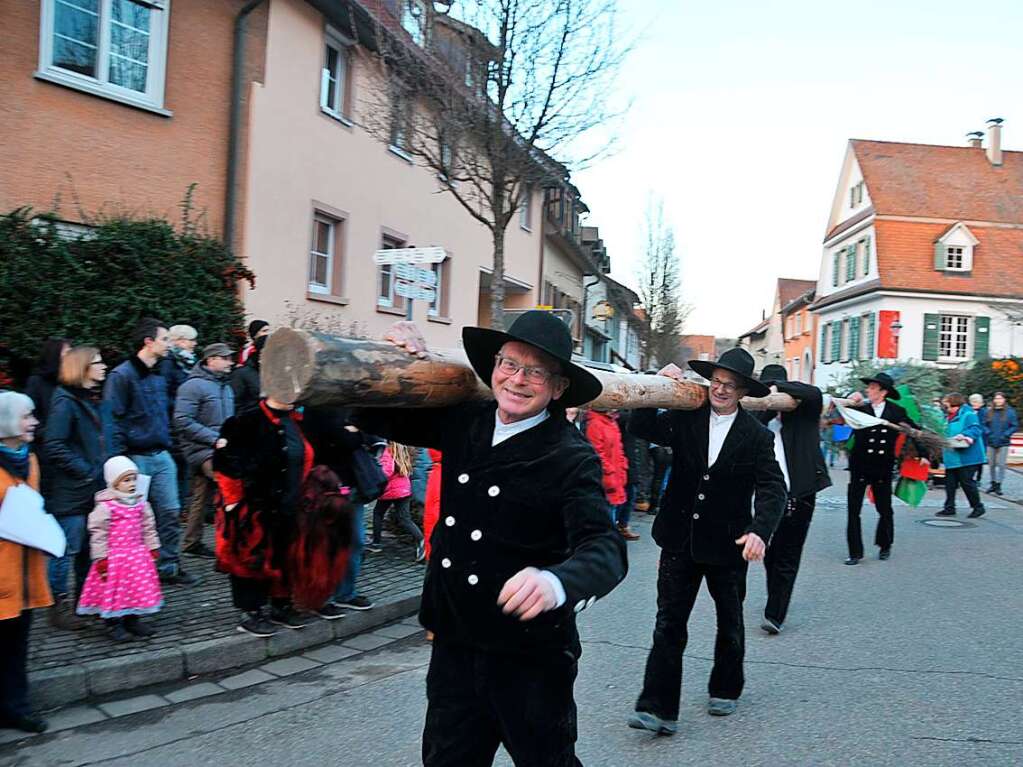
976 137
994 150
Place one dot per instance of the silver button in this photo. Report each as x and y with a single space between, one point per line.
449 521
870 450
445 563
590 601
580 606
701 496
476 535
871 439
696 516
494 491
473 580
706 476
463 478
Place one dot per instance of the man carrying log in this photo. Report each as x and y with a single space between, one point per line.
523 543
721 456
871 463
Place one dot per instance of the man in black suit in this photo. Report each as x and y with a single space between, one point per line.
871 463
721 456
798 453
524 543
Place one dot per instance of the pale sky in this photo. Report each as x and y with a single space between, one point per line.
742 110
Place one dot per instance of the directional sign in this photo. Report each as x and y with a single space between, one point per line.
414 290
411 273
409 256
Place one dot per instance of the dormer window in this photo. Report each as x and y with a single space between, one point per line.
953 252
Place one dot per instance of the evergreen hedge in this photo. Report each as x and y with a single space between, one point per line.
93 288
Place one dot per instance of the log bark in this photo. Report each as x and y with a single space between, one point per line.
301 366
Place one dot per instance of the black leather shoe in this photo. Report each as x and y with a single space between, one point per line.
945 513
27 723
852 561
978 512
884 554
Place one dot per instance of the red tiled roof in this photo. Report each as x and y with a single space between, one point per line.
951 182
789 290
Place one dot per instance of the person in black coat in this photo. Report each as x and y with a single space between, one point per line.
524 542
871 464
78 443
722 457
796 449
40 387
245 380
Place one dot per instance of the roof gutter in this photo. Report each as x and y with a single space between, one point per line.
234 125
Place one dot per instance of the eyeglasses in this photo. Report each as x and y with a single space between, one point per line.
533 374
727 386
97 362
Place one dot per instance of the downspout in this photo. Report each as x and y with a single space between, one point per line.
586 295
237 76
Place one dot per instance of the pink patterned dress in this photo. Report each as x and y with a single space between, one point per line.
131 585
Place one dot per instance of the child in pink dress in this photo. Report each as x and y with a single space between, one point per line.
122 583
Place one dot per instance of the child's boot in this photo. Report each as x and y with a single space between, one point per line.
138 628
117 631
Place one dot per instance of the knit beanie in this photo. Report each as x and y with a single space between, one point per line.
116 468
255 326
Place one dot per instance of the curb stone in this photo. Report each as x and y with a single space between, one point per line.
57 687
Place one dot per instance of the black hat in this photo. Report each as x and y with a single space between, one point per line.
735 360
255 326
548 334
885 382
772 374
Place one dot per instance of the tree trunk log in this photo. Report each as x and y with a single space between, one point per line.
300 366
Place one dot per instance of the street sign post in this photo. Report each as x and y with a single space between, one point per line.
411 281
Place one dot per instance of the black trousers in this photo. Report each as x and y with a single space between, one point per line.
781 563
250 595
678 583
478 700
885 533
13 662
964 477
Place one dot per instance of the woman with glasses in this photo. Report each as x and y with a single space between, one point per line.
78 443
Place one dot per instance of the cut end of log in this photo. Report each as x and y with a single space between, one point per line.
288 364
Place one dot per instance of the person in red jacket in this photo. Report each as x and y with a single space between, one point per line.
431 509
603 433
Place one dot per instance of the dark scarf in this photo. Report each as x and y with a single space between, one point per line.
15 462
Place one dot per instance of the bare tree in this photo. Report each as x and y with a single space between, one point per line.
486 94
660 290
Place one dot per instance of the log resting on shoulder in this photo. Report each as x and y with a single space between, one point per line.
301 366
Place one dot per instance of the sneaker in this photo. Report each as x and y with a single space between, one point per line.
356 603
374 548
720 707
644 720
884 554
257 625
135 626
420 551
120 634
180 578
945 513
770 626
288 617
200 550
330 612
852 561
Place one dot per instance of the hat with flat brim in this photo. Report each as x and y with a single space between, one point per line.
547 333
735 360
886 382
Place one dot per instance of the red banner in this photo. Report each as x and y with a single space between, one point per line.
887 338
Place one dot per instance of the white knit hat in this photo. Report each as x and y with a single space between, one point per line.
116 468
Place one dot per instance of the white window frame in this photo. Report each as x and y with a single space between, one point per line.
388 301
964 331
337 42
330 255
438 299
526 208
151 99
844 340
951 256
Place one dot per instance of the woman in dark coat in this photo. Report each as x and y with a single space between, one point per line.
40 387
283 525
78 442
245 380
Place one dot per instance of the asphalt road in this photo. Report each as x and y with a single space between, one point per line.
914 661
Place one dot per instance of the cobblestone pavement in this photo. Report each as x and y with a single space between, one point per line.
205 612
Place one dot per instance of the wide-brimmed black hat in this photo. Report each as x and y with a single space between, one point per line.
735 360
885 382
548 334
772 374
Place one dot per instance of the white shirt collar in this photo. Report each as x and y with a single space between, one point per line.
878 408
720 425
503 431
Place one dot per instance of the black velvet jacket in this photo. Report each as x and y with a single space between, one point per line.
873 453
536 500
800 434
706 509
